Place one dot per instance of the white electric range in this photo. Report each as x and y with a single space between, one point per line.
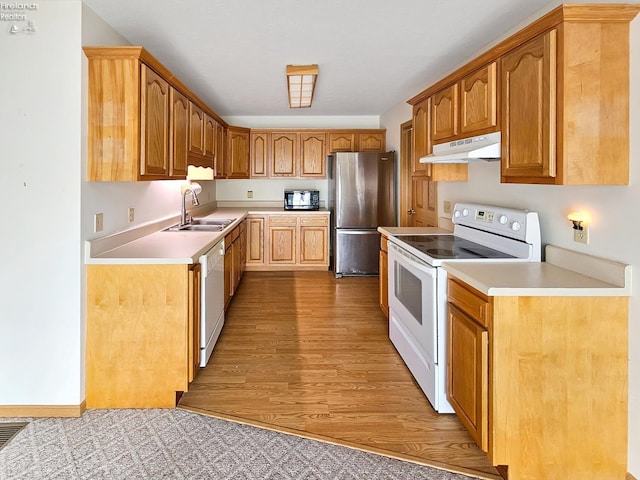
418 284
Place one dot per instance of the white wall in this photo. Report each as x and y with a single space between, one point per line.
613 229
40 258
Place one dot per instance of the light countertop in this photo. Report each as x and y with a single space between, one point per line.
530 279
152 245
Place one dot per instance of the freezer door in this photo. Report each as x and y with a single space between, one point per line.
356 252
364 189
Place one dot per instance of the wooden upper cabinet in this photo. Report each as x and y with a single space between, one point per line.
260 143
371 142
209 137
312 154
221 152
196 129
342 142
238 161
444 114
179 142
154 123
529 109
478 101
421 137
284 154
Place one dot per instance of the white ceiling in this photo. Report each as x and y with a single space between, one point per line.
372 54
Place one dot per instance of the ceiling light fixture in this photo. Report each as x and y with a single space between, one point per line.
301 83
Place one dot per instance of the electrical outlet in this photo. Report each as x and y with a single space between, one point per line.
249 193
131 215
447 206
97 222
581 236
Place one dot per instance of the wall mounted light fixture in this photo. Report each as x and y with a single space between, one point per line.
301 83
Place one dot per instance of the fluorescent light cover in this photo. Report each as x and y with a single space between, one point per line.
301 82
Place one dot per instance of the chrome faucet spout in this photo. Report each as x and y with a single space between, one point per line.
184 218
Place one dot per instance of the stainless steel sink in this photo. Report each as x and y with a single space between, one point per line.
202 225
212 221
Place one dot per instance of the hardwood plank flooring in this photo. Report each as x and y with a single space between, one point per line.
308 354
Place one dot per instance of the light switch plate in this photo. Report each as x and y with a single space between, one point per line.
97 222
131 214
447 206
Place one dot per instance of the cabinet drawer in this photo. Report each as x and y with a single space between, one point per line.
314 221
473 303
289 220
231 237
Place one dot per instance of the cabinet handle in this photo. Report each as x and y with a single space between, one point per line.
411 211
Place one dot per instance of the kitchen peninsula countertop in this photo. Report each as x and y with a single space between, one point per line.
564 273
150 244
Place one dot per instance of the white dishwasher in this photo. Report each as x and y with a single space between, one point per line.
212 296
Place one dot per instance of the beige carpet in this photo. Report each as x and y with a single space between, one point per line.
176 445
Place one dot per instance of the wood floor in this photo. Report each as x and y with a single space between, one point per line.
304 353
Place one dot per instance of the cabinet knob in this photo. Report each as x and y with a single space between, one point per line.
411 211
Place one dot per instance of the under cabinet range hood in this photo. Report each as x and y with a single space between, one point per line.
483 147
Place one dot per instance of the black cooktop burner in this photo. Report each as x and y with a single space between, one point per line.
450 247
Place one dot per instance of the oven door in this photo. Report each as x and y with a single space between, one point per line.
412 297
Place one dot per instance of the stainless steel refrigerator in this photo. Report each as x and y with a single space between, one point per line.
361 197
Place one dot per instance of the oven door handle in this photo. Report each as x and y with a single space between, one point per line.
413 261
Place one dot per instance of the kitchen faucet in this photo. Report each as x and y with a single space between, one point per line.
188 189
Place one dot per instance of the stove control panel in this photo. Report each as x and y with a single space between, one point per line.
508 222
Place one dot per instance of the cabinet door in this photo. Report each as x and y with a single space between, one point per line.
179 145
196 129
242 240
371 142
221 151
255 240
282 245
421 137
228 273
195 279
478 107
283 154
444 113
238 154
154 124
209 139
528 99
314 243
342 142
468 374
312 155
259 154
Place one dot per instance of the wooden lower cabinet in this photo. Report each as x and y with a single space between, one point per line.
552 372
234 260
384 279
142 334
289 241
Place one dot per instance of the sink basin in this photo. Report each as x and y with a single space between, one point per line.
212 221
202 225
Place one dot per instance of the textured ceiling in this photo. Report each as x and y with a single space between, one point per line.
372 54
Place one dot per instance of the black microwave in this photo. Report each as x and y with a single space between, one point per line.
301 200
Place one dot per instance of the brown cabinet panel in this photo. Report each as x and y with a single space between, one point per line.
195 279
284 154
209 139
282 245
221 151
314 243
154 123
255 240
179 143
238 162
478 102
312 154
529 109
260 154
468 370
342 142
444 114
384 280
371 142
196 130
421 137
